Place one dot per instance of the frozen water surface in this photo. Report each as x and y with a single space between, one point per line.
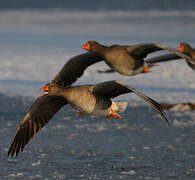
35 45
139 146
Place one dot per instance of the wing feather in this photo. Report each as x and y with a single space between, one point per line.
111 89
142 50
38 115
75 68
177 52
163 58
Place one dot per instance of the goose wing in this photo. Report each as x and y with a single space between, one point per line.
142 50
163 58
177 52
113 89
42 110
75 68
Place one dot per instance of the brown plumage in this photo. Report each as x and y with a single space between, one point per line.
128 60
188 50
44 107
88 99
75 67
184 48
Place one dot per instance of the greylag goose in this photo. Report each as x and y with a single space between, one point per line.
183 47
129 60
88 99
38 112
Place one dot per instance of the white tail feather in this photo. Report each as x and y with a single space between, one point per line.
119 106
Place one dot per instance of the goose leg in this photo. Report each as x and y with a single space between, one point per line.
113 114
146 70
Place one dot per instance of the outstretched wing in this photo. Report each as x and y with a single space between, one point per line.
163 58
46 106
75 67
168 57
38 115
143 49
177 52
113 89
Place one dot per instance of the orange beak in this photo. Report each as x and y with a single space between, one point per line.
45 88
181 48
86 46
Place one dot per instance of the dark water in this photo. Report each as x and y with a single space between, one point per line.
100 4
138 146
34 46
